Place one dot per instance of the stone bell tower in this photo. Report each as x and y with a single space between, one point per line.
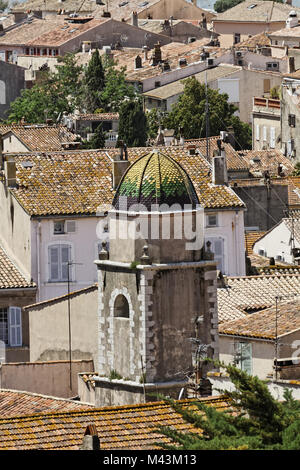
157 285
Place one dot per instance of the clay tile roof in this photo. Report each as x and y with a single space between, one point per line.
17 403
129 427
10 276
235 161
42 138
244 12
258 40
286 32
262 160
262 324
78 182
25 33
65 33
293 225
250 239
252 293
98 117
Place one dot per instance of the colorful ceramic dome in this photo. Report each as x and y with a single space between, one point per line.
152 180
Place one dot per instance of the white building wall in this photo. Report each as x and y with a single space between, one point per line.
263 353
277 242
230 229
83 251
12 144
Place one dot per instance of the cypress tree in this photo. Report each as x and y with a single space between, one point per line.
133 124
94 80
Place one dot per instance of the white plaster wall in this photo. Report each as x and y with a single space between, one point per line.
276 242
12 144
231 229
15 231
84 251
263 353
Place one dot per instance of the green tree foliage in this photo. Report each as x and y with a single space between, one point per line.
98 139
94 81
133 124
3 5
296 171
189 114
256 420
116 89
223 5
54 93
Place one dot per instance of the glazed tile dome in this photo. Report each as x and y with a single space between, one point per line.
152 180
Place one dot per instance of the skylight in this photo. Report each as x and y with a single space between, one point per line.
252 6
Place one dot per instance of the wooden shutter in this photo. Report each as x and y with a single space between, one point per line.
54 263
15 326
257 132
64 258
218 249
267 85
272 137
264 133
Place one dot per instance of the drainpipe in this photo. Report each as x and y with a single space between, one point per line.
237 244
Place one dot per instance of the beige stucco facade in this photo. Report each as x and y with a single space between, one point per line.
228 29
49 327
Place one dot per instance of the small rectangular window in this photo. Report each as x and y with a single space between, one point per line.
257 132
212 220
237 38
71 226
15 326
59 227
59 263
292 120
4 325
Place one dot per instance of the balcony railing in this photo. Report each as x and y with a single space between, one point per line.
266 102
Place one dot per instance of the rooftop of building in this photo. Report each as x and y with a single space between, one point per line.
248 294
19 403
263 323
77 182
257 11
286 32
40 138
259 161
155 179
10 276
129 427
29 30
175 88
250 238
254 42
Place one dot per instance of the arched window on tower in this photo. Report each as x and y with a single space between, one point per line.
121 307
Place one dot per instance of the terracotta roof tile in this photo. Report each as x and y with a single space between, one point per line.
259 161
41 138
10 276
235 161
78 182
17 403
128 427
262 324
244 13
258 40
250 239
252 293
26 32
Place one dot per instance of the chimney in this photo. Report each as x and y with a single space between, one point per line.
138 63
91 440
134 19
120 165
156 57
10 173
219 169
192 149
145 49
289 2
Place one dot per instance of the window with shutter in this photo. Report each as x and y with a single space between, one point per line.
257 132
15 326
4 325
243 356
217 247
59 256
272 137
264 133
